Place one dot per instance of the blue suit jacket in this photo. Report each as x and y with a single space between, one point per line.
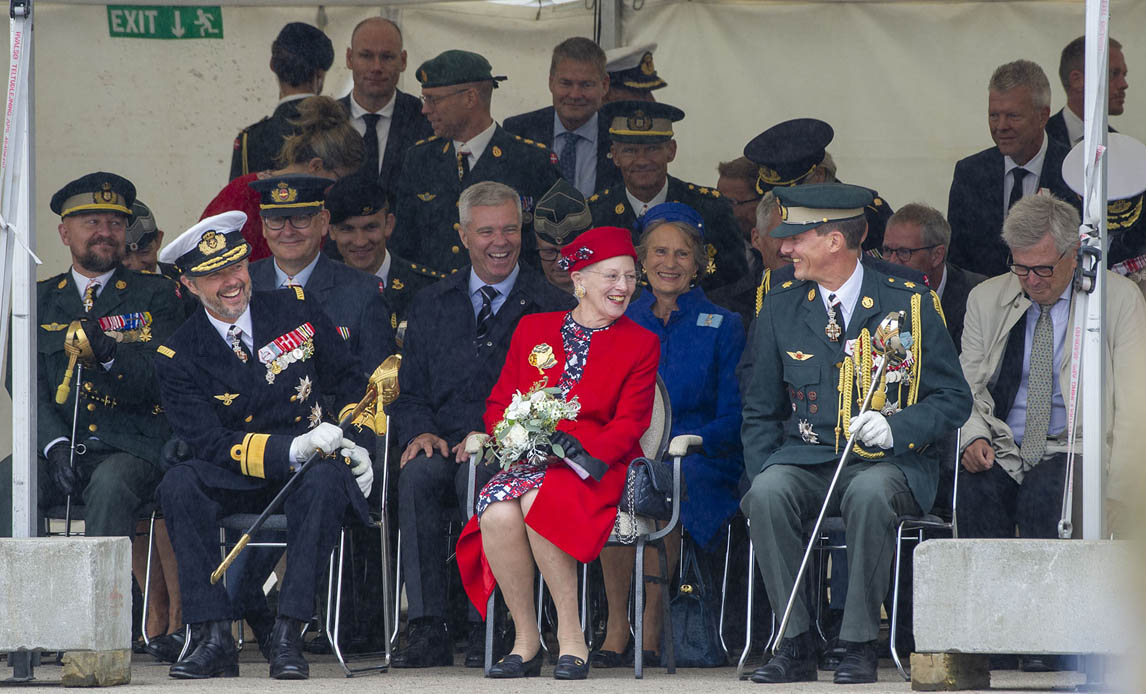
538 126
351 299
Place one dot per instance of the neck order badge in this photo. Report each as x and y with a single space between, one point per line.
164 22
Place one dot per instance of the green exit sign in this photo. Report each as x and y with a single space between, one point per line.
160 22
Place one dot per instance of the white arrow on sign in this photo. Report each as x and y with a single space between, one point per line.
178 30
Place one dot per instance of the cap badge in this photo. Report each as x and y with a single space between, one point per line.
367 210
783 212
769 175
497 150
211 242
105 194
541 358
422 76
639 121
647 64
284 194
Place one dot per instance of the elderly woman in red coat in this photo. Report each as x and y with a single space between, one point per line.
547 515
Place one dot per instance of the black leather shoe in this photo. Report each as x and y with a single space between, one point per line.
214 656
166 648
512 666
795 662
612 659
570 667
860 664
831 656
427 645
287 661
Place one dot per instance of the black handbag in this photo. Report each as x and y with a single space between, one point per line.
695 623
648 492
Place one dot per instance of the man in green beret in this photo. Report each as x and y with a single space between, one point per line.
119 427
468 147
836 314
643 147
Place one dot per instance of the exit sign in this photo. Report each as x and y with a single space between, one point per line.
160 22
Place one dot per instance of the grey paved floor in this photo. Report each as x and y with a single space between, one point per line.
326 676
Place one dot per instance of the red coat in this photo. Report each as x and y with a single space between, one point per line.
616 393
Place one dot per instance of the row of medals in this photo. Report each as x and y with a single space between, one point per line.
280 363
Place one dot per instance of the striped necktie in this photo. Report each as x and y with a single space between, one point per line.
488 294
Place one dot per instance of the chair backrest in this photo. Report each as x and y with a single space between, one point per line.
655 440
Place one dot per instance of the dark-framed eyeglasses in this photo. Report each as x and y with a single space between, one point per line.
1039 270
549 254
297 221
904 254
746 201
431 100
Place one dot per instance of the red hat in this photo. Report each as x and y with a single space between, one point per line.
595 245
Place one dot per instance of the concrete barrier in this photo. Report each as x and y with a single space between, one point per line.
62 594
1022 596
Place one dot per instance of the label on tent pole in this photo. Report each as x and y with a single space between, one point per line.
163 22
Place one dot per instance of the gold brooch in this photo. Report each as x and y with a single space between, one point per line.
541 357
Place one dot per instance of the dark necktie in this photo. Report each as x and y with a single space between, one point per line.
1018 174
370 142
1039 390
488 294
235 337
463 164
568 158
90 294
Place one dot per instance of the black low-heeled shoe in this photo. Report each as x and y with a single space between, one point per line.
512 666
570 667
612 659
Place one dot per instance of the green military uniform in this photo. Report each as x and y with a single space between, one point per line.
405 279
725 263
796 374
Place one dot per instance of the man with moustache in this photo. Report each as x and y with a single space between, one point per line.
457 337
571 127
360 226
1066 125
244 382
390 120
124 314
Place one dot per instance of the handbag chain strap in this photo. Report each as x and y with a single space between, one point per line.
630 537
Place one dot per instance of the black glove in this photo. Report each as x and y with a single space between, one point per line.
175 451
103 347
63 475
575 452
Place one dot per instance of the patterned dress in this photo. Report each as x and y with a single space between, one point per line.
520 478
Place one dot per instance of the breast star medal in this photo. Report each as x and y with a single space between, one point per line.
302 390
315 416
541 358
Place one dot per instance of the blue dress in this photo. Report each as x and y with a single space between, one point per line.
700 347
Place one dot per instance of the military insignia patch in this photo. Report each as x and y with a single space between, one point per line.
120 284
909 285
283 193
709 320
867 302
620 208
786 284
396 284
639 121
226 398
105 194
811 294
298 294
53 327
393 321
496 151
211 242
800 356
703 191
63 283
166 351
343 332
426 197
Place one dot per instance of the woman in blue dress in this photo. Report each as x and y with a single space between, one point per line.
701 344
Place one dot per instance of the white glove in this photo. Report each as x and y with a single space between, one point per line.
359 465
325 437
872 429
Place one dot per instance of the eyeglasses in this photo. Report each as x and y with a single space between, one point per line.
297 221
432 101
904 254
548 254
746 201
612 277
1039 270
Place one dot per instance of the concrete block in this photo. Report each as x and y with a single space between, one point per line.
97 668
65 594
1022 596
949 672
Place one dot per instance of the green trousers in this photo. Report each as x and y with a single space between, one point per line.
115 485
869 496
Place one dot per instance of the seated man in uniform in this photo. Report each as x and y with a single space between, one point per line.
294 225
456 341
244 383
361 223
836 314
120 428
560 216
1017 358
643 148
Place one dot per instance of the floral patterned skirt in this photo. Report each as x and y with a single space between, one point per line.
510 484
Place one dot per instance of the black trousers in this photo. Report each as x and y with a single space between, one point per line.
315 511
429 488
992 503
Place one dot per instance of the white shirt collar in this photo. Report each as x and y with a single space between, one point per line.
82 281
476 144
1035 165
1073 125
300 279
294 97
588 129
387 111
638 205
848 293
383 271
244 323
943 282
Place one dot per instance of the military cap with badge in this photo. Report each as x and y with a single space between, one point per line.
141 227
95 192
561 214
640 122
456 67
632 67
210 245
290 195
1125 190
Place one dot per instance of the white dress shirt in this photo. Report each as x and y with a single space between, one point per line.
283 280
848 294
244 323
476 145
383 271
640 207
1030 181
1073 125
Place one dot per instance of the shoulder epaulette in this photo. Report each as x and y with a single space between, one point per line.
298 294
423 141
60 277
783 286
917 287
166 351
706 192
597 196
426 272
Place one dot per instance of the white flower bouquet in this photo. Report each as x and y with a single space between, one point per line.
523 433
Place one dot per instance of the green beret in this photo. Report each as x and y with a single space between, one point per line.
815 204
456 67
